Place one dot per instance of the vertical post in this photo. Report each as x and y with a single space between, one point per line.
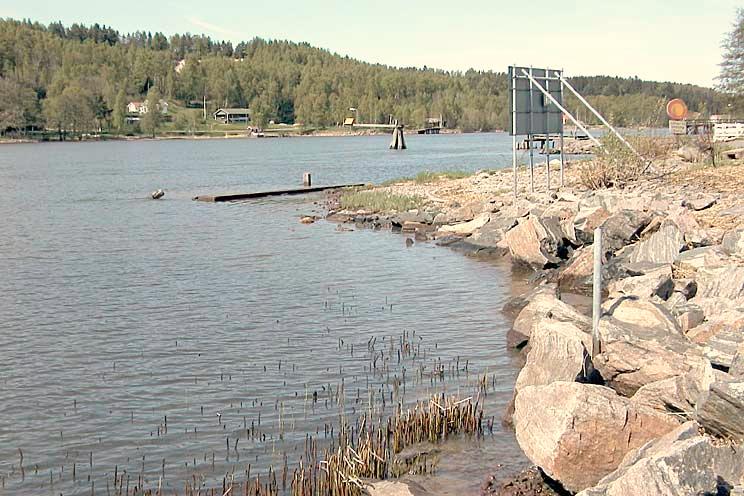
514 126
307 180
596 290
547 132
562 156
530 139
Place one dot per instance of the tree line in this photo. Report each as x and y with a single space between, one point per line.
80 78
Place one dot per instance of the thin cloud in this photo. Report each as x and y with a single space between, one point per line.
215 29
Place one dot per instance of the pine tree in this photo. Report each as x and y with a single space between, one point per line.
732 67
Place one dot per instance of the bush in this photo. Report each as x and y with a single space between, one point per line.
615 164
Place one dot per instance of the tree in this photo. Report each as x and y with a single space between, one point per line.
150 121
19 108
731 78
72 110
119 115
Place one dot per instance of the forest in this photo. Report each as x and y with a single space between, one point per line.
79 79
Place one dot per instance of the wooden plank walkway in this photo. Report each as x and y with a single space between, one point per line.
264 194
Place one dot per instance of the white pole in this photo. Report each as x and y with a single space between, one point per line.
562 109
562 157
514 126
530 137
599 116
596 290
547 135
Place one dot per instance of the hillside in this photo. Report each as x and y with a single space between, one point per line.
80 78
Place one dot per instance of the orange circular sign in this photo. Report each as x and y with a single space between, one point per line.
676 109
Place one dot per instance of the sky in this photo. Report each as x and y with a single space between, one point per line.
673 40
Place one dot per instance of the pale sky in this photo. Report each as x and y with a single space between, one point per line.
676 40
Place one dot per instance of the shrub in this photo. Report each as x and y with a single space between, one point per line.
614 164
380 201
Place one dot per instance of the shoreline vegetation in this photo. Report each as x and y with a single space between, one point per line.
665 389
82 80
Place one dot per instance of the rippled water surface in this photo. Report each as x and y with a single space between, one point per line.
119 314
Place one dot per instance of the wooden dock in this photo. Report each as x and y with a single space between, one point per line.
264 194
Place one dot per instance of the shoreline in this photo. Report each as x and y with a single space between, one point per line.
666 348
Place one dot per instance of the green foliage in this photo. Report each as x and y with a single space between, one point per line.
119 114
731 78
19 108
282 81
150 121
380 201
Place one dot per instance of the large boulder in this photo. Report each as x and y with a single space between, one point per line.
656 281
737 364
579 433
467 227
720 409
663 246
726 281
677 395
577 275
720 338
633 356
587 220
516 304
535 243
543 307
462 213
558 352
562 214
642 313
622 228
733 242
682 462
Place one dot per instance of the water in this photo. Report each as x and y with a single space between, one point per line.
117 311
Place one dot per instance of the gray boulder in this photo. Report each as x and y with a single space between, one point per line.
633 356
639 312
701 202
705 256
720 338
737 363
558 352
733 242
623 228
677 395
543 307
516 303
721 409
577 274
657 281
720 282
534 242
579 433
587 220
663 246
683 462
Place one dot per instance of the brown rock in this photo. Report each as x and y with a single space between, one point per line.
579 433
721 409
642 312
633 356
533 243
543 307
682 462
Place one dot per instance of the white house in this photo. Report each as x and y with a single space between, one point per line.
141 107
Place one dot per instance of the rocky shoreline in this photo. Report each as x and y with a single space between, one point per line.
659 409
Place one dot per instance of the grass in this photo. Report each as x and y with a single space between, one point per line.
427 177
380 201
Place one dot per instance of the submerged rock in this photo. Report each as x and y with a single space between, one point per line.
579 433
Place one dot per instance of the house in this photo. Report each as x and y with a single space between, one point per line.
137 107
232 115
141 107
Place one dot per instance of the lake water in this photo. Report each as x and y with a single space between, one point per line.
117 311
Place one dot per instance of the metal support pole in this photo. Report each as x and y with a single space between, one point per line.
562 155
562 109
547 137
514 127
596 290
530 139
599 116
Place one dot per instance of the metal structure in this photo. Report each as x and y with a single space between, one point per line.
537 111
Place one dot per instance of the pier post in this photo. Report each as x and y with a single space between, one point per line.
307 180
